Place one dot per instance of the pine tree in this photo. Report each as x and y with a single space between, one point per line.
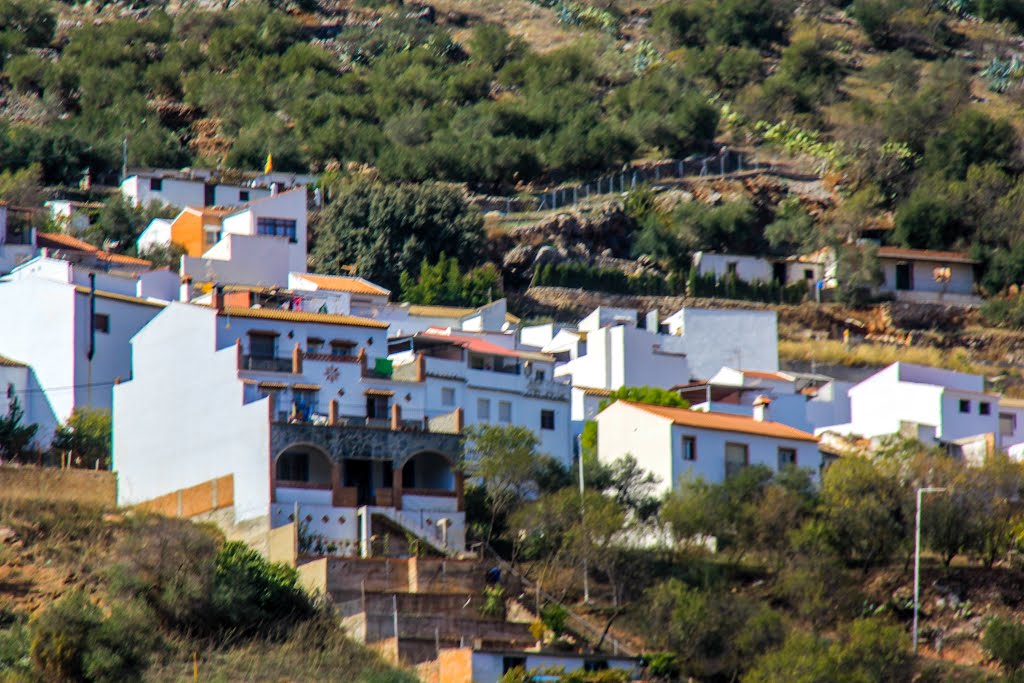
14 436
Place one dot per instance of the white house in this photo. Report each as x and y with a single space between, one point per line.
678 443
201 187
928 276
472 665
17 245
159 285
18 381
798 400
258 243
713 338
491 383
785 270
72 216
340 294
301 410
933 405
75 343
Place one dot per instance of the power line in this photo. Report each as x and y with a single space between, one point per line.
73 386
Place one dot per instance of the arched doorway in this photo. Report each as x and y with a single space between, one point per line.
303 467
428 471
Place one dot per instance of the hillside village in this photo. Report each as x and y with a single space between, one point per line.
494 342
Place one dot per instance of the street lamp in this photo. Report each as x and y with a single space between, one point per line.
917 553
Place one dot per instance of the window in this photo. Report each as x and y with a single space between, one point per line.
547 419
1007 424
209 198
509 663
447 396
243 195
736 458
101 322
306 402
339 348
595 665
808 274
314 345
156 184
505 412
211 235
262 345
787 456
689 448
539 375
965 405
377 407
731 267
278 227
293 467
984 408
483 409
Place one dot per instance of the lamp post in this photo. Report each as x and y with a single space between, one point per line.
579 457
917 554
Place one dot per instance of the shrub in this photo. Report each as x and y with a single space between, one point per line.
61 634
1004 641
554 617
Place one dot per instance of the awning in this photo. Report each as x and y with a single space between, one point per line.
273 385
342 342
378 392
306 387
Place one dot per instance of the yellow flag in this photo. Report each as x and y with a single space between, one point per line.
270 164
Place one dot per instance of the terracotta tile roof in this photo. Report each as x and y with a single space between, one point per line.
774 376
594 391
925 255
343 283
6 362
58 240
724 422
485 347
100 294
302 317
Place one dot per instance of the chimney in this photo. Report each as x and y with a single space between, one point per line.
218 297
761 404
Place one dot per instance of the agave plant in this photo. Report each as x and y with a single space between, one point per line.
1004 74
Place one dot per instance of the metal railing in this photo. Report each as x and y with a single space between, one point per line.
266 364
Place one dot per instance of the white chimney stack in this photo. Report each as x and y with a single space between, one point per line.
761 404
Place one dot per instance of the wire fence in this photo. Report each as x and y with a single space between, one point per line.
725 162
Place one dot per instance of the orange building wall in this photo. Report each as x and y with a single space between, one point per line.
187 230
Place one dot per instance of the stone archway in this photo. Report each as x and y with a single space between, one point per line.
303 464
429 471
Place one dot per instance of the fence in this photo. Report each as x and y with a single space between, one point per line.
722 164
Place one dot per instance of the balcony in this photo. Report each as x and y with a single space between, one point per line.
265 364
548 389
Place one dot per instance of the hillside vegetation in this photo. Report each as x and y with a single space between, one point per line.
92 596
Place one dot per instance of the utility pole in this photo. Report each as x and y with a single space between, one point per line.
579 457
124 158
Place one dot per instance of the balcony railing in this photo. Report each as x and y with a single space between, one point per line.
266 364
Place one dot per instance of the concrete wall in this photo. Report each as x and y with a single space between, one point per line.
242 260
86 487
181 420
194 500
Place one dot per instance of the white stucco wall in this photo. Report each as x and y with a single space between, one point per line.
182 192
21 380
242 260
748 268
716 338
923 280
622 430
156 234
624 355
289 205
487 666
175 428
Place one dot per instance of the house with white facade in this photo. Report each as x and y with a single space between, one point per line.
73 216
19 381
713 338
301 412
257 243
75 341
679 443
489 665
928 276
783 270
493 384
799 400
936 406
204 187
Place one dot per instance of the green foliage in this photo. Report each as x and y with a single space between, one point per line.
730 22
655 396
793 229
595 278
119 223
715 634
15 437
971 138
554 617
87 437
730 287
385 230
867 650
444 284
251 594
494 602
865 511
1004 641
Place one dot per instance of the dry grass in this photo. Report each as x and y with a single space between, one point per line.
536 25
873 355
